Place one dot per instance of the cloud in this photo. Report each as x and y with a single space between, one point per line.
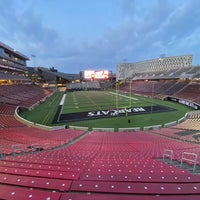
27 30
165 28
143 30
128 7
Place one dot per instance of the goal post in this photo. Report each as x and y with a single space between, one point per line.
125 103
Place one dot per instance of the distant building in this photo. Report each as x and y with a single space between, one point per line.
11 59
12 65
129 70
47 77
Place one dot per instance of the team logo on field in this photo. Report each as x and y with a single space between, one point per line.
115 112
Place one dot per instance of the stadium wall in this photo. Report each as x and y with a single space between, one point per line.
36 125
184 102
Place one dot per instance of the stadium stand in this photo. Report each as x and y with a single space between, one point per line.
14 132
95 85
63 165
7 121
177 73
190 92
104 164
163 89
7 109
23 95
190 123
28 136
178 132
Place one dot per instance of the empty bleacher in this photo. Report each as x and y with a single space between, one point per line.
161 89
14 132
191 123
6 109
39 164
28 136
25 95
94 85
190 92
102 165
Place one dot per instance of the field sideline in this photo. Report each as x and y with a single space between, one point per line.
94 100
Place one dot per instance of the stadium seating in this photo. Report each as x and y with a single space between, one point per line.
97 196
95 85
25 95
102 165
14 133
190 92
182 134
7 109
13 193
191 123
153 88
29 136
197 100
7 121
39 164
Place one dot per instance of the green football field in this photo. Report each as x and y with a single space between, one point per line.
100 100
82 101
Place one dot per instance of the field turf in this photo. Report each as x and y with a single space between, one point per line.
82 101
99 100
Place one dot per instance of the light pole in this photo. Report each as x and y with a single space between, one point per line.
117 90
125 68
130 93
152 94
33 56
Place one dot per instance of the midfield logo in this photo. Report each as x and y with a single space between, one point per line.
115 112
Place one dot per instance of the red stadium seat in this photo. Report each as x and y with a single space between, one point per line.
14 193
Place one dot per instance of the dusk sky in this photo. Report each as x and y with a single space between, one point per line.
76 35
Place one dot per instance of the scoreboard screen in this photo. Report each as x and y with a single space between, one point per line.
92 74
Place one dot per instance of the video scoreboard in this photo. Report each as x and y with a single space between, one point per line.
95 74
